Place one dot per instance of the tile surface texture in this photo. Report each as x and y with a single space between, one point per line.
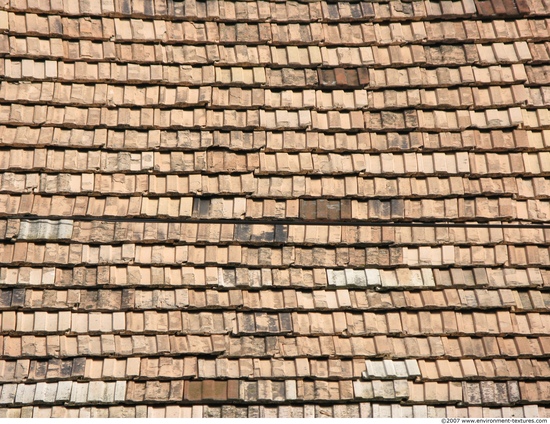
222 208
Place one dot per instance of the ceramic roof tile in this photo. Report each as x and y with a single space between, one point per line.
134 136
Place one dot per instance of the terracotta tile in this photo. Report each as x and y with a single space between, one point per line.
193 390
229 133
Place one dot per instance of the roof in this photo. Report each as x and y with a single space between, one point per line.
214 208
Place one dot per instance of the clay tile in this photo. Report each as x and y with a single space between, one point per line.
327 76
193 390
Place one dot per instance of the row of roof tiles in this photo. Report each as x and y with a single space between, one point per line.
268 299
194 367
196 233
203 411
214 390
284 164
101 138
236 97
127 253
347 410
399 187
473 369
275 56
294 11
463 75
45 346
60 253
480 208
63 391
157 118
210 276
339 33
263 10
123 184
83 254
474 393
185 75
380 346
33 370
354 323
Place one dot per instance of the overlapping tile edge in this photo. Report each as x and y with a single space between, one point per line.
204 208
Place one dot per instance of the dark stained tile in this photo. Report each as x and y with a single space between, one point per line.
193 390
